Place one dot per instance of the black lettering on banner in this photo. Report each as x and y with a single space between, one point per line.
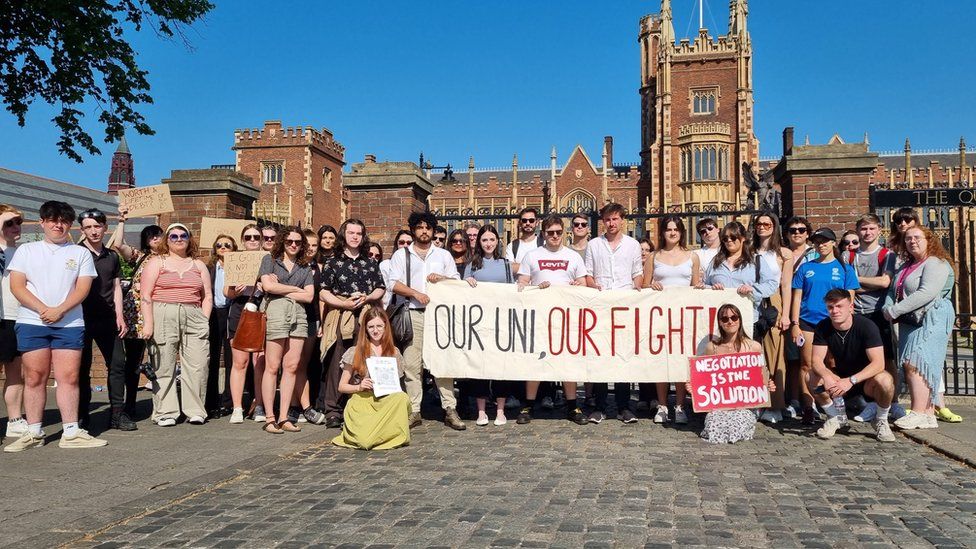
437 326
472 333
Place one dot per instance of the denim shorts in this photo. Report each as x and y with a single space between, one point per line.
31 337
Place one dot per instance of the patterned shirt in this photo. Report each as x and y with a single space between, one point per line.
344 275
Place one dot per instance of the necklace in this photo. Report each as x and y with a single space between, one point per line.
843 337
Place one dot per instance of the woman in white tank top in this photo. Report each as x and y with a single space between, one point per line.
671 265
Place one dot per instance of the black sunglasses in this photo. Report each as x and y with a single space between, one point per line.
11 222
458 241
704 230
252 237
439 238
405 242
728 318
97 215
527 220
295 241
798 230
580 224
223 245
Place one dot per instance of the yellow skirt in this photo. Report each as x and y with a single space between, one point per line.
372 423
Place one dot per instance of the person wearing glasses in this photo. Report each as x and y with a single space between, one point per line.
849 243
440 236
50 278
613 262
177 299
104 301
527 240
351 282
811 282
796 233
218 401
672 265
458 246
11 221
268 236
581 234
309 380
288 284
376 252
471 231
564 267
707 229
238 296
402 240
428 265
730 426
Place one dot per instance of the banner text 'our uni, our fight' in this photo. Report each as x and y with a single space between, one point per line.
568 333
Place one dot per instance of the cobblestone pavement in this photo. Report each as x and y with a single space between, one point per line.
554 484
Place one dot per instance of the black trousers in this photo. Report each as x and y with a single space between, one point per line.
135 350
216 395
103 333
621 394
314 371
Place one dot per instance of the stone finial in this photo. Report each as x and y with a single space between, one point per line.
866 140
962 153
470 162
806 139
514 160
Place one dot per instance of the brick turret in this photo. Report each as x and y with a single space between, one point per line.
122 175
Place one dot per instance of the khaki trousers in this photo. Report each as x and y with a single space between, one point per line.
413 369
179 331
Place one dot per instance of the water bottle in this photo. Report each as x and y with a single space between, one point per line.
253 307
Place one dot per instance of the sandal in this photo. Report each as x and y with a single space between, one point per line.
272 427
289 427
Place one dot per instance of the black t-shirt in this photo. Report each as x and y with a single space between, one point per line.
849 347
100 302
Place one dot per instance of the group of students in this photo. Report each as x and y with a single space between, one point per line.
325 295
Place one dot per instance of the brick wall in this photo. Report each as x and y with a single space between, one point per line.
385 212
834 200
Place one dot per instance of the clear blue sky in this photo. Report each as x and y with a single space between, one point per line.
492 79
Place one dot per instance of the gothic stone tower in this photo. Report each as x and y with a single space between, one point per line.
121 176
696 112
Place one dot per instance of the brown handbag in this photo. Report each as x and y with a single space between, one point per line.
252 328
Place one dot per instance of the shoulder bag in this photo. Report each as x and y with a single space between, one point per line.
767 313
399 313
252 328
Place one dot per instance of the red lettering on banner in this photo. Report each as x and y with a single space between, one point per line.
562 330
613 328
680 330
728 382
712 311
695 309
553 265
650 332
636 331
587 323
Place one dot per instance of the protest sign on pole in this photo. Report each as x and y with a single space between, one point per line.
568 333
143 201
212 227
241 268
729 382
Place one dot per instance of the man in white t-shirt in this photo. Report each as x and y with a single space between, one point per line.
13 383
613 262
552 265
527 241
50 279
708 232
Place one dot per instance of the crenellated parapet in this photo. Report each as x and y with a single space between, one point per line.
274 134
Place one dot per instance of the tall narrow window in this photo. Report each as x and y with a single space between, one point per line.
326 180
272 173
704 101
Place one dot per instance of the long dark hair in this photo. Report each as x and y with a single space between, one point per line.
478 256
278 251
663 225
896 240
341 238
775 241
740 337
464 240
736 229
148 233
321 255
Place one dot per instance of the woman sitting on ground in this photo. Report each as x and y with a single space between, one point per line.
370 422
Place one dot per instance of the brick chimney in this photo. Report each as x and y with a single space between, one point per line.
608 143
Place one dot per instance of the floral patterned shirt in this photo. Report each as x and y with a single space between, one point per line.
344 275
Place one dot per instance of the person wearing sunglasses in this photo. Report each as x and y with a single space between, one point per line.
527 239
307 387
811 282
730 426
707 229
351 282
563 268
288 284
11 220
402 240
50 279
177 300
581 234
218 402
796 233
457 244
268 236
104 301
247 369
440 237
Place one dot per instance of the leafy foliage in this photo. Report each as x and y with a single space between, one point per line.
70 52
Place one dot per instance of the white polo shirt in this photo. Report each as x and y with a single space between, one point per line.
613 269
52 271
438 261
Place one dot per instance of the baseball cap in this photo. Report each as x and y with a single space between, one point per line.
824 233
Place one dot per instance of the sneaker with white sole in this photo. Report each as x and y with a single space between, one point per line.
831 426
313 416
237 416
166 422
680 417
867 413
501 420
897 412
16 428
81 440
24 442
661 416
771 417
627 416
913 420
197 420
883 430
482 420
596 417
793 411
259 415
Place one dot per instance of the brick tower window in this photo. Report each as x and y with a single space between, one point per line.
703 101
705 163
272 173
326 180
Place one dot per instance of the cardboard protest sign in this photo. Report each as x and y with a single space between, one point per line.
729 382
212 227
568 333
241 268
142 201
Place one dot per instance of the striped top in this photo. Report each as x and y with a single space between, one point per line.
173 288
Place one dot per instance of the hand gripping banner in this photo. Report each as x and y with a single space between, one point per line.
569 333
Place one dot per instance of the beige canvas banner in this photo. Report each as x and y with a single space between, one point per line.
569 333
241 268
143 201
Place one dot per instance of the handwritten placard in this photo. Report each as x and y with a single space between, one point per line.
729 382
241 268
385 375
142 201
212 227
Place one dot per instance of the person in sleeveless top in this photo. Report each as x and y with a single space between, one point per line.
177 300
238 296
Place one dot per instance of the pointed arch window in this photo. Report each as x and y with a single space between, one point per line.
579 201
704 101
705 162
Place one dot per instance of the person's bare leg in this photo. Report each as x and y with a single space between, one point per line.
67 363
881 388
274 354
531 389
662 393
289 374
482 403
259 362
37 370
13 389
806 368
569 389
500 405
919 391
238 372
680 394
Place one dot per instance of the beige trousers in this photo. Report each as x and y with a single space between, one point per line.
179 332
413 369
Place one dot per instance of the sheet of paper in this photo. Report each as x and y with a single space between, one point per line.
385 375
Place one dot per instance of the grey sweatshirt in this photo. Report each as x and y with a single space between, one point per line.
932 280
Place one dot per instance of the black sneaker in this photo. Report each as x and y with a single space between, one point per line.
576 416
293 413
597 417
333 422
525 416
627 416
122 422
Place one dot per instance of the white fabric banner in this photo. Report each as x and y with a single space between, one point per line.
569 333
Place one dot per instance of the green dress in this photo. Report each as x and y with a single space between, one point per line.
371 423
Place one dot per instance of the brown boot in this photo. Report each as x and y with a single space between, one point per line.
452 420
415 419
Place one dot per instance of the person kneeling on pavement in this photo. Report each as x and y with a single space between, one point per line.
855 344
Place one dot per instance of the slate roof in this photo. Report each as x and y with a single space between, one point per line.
921 160
27 192
505 176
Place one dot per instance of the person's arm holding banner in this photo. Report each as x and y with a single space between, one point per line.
637 270
588 264
697 280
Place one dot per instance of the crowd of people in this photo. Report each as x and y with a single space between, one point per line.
843 326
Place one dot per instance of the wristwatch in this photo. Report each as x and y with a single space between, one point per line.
853 380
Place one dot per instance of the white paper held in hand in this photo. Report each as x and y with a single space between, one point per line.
385 375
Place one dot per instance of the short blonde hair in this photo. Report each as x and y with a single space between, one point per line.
4 208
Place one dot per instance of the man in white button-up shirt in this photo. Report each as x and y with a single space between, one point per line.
428 264
613 262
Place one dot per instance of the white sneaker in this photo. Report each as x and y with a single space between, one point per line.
661 416
680 417
25 442
237 416
867 413
482 420
197 420
501 420
16 428
166 422
81 440
912 420
831 426
897 412
883 430
771 417
793 411
259 415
